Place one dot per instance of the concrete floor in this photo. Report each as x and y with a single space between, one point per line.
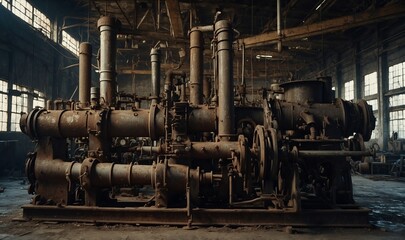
385 197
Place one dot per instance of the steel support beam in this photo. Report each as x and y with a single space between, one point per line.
332 25
173 11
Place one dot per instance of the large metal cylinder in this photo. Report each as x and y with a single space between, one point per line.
196 66
346 116
121 123
107 27
84 74
311 91
226 112
155 74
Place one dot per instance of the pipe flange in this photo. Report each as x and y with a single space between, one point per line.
152 121
243 155
130 174
274 155
30 171
30 121
108 21
86 170
368 124
261 146
68 174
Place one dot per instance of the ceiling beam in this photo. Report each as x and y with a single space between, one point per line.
332 25
173 11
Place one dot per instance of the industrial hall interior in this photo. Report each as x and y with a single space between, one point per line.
204 119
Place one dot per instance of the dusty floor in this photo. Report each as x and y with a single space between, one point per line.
385 197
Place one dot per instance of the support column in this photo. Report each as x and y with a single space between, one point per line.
339 80
383 104
357 77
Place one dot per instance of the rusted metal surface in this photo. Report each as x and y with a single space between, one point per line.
225 110
356 217
85 54
108 30
197 164
155 77
196 66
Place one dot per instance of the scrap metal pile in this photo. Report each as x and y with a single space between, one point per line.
190 159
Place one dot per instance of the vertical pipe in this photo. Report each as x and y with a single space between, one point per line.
196 66
155 71
84 74
226 109
94 96
243 82
107 27
279 25
207 89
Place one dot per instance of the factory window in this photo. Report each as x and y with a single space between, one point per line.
374 134
397 122
397 100
19 103
6 4
370 84
396 78
70 43
31 15
39 99
42 23
3 105
23 10
349 90
373 103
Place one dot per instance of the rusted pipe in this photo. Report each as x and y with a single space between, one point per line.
279 46
155 74
226 112
84 74
110 174
206 89
121 123
198 150
196 66
108 28
207 28
332 153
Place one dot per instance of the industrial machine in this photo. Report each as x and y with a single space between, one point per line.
196 160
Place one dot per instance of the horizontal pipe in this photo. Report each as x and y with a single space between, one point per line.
332 153
120 123
207 28
110 174
198 150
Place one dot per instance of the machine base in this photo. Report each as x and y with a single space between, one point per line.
348 216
